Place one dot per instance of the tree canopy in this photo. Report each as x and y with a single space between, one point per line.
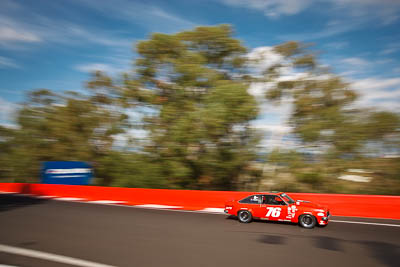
199 125
187 95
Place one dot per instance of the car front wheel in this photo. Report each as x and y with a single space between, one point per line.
307 221
245 216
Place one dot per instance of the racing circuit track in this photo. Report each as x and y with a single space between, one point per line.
126 236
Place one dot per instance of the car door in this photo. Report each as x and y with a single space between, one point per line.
273 208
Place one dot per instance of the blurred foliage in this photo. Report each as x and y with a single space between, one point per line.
197 120
58 127
188 93
200 136
312 178
336 136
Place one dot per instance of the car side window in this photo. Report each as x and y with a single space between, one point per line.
273 200
255 199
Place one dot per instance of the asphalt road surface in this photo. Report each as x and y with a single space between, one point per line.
124 236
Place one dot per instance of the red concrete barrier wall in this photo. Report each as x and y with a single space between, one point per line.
373 206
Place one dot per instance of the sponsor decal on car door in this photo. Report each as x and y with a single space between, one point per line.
273 208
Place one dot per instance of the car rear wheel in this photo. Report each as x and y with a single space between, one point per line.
245 216
307 221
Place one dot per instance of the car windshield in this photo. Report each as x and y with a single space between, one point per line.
288 199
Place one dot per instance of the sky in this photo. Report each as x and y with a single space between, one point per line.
56 44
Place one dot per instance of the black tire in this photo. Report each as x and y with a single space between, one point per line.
245 216
307 221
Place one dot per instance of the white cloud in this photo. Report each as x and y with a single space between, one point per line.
380 93
12 32
273 118
9 34
342 15
91 67
385 61
122 140
273 128
376 83
337 45
386 10
264 57
351 67
74 31
20 26
355 66
7 63
272 8
74 34
355 62
331 28
161 14
23 27
391 48
7 110
149 16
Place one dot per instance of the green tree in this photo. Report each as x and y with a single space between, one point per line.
323 113
200 108
191 89
59 127
325 120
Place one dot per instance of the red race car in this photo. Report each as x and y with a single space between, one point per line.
278 207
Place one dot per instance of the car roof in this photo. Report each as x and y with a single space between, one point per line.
264 193
260 193
269 193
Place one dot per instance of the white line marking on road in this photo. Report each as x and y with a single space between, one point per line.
50 257
381 224
106 202
68 198
213 210
156 206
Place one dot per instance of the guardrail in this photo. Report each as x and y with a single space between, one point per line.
371 206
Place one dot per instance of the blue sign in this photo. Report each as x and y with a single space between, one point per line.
66 172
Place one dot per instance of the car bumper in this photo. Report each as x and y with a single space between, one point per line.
324 220
228 210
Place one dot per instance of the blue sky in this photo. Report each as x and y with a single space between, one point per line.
55 44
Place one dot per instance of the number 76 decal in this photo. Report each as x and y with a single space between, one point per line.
273 212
